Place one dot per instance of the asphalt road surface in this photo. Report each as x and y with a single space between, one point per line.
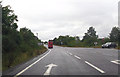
70 61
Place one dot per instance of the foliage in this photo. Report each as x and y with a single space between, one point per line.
17 46
115 35
67 41
90 37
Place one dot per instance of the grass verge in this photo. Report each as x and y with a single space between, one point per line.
12 59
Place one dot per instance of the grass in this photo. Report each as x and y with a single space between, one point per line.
13 59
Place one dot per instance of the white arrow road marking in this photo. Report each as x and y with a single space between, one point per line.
95 67
31 65
77 57
49 68
116 61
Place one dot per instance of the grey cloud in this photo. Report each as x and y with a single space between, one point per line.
51 18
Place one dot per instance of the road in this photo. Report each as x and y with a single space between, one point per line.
70 61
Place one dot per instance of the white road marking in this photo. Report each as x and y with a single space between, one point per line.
94 67
116 61
49 68
70 53
66 53
31 64
77 57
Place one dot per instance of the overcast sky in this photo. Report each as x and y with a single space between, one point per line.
52 18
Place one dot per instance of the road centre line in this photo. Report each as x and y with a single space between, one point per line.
31 64
98 69
66 53
77 57
70 53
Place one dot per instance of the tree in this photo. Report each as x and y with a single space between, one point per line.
9 20
114 35
90 33
67 40
10 34
90 37
17 44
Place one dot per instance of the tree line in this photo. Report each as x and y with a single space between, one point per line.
17 46
90 39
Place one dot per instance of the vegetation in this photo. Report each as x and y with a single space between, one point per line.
115 35
67 41
90 37
17 46
89 40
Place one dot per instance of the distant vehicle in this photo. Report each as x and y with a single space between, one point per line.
50 44
109 45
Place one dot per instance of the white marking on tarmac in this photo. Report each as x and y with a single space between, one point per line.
31 64
70 53
98 69
116 61
77 57
66 53
49 68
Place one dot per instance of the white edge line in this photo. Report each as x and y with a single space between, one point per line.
31 64
77 57
95 67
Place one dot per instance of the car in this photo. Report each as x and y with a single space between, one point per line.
109 45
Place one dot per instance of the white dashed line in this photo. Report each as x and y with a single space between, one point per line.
70 53
31 64
116 61
66 53
101 71
77 57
